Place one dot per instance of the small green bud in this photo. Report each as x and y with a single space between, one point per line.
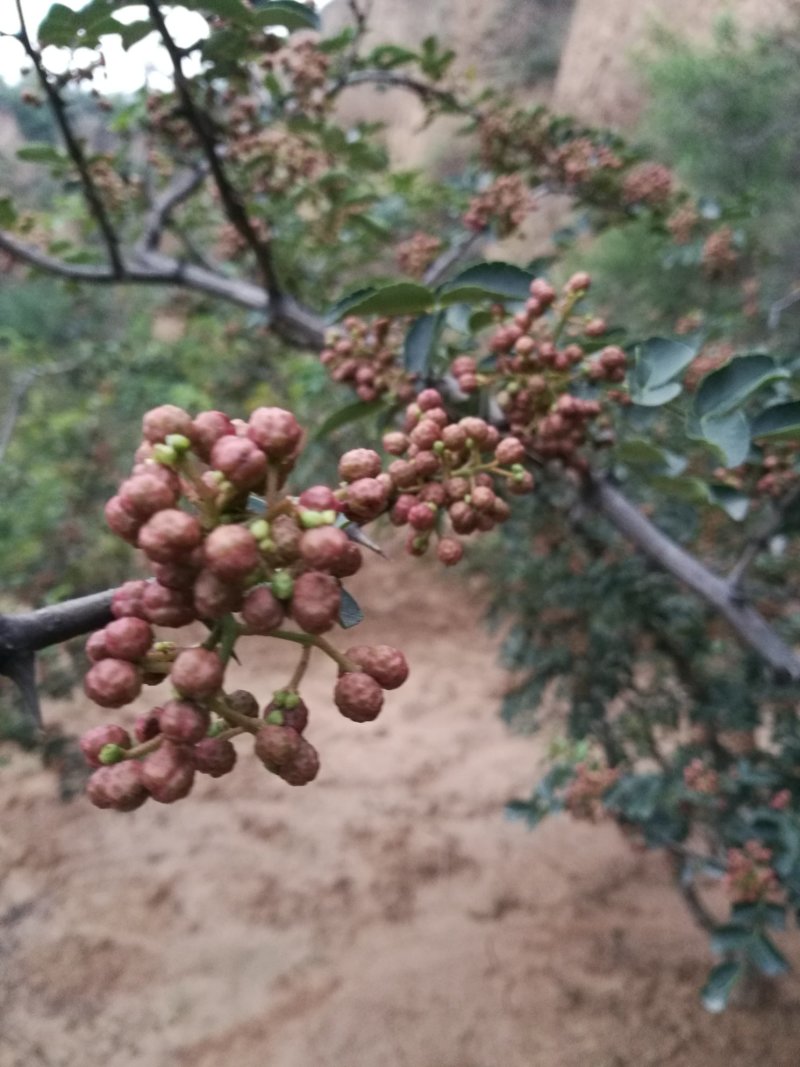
282 585
111 754
216 476
179 442
291 700
279 697
275 717
517 468
329 516
513 388
312 519
438 447
260 529
267 545
165 455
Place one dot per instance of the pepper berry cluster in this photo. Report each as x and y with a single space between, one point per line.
445 476
230 547
366 356
537 357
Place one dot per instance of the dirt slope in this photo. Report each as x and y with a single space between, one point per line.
386 915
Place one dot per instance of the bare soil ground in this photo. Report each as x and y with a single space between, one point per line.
386 915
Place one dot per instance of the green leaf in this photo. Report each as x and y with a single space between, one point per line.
780 420
40 153
694 490
487 281
729 386
421 341
719 985
729 433
227 9
654 398
133 32
730 937
639 452
359 410
387 56
8 214
659 360
400 298
350 614
765 955
59 26
288 13
734 503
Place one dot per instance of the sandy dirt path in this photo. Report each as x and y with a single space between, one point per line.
386 915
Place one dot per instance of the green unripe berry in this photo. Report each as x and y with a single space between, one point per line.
165 455
291 700
178 442
111 754
282 585
260 529
275 718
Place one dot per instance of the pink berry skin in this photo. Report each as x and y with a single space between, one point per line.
128 600
183 723
395 443
303 768
366 499
509 451
208 427
319 498
215 597
175 575
158 424
231 552
359 463
449 551
244 702
276 746
276 432
197 672
95 739
96 647
112 683
296 717
358 696
120 786
144 494
315 602
262 611
321 548
168 773
387 665
167 607
421 517
214 756
242 463
120 521
349 563
170 535
128 639
147 726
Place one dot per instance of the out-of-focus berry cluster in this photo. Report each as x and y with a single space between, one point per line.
367 356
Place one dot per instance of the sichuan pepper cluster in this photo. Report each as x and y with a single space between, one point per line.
229 546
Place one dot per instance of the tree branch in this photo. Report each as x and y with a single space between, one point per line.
180 189
762 539
232 203
289 319
750 627
74 148
390 79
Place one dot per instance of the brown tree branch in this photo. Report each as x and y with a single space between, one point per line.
750 627
74 148
232 203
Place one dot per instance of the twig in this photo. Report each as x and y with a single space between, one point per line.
74 148
751 628
762 539
199 121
